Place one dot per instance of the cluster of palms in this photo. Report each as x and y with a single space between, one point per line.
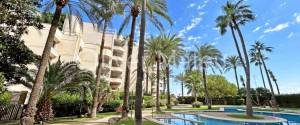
100 13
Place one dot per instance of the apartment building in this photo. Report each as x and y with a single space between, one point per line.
82 45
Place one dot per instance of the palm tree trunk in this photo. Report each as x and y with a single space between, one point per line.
128 67
262 76
147 82
28 115
140 72
194 92
157 84
98 77
168 88
164 85
236 78
207 97
237 46
273 99
85 103
249 110
182 88
277 87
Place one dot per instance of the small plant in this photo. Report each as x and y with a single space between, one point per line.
197 104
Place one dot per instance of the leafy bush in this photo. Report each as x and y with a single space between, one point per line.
5 98
148 102
111 105
67 105
288 101
163 102
197 104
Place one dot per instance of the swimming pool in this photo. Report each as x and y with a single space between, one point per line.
210 121
292 119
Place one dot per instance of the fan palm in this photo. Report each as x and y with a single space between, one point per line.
172 45
208 57
153 10
104 15
180 78
236 15
255 58
274 80
232 62
73 7
259 48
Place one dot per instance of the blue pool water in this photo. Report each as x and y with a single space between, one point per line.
177 122
292 119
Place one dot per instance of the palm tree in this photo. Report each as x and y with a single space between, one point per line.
172 45
208 57
104 15
274 80
77 7
148 65
193 80
243 81
232 62
190 61
255 58
180 78
139 83
259 48
235 15
153 10
155 50
59 77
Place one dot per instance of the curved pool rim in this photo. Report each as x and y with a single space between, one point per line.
278 120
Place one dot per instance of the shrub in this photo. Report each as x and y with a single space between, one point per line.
67 105
289 100
111 105
197 104
148 102
163 102
5 98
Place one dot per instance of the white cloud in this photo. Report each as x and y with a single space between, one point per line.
267 24
291 35
203 5
297 15
217 38
195 21
282 4
191 5
261 36
278 27
194 38
256 29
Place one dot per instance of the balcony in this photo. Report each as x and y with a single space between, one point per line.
117 69
118 48
115 83
117 59
53 53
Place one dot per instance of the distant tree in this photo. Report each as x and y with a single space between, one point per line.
15 17
2 80
232 62
219 86
192 81
47 18
274 80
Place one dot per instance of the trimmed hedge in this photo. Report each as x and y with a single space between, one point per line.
216 101
288 100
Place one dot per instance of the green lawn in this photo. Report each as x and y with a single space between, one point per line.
243 116
76 119
130 121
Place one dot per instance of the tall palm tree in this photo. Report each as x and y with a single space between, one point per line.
172 45
208 57
232 62
235 15
155 51
104 15
255 58
180 78
76 7
259 48
148 66
189 58
274 80
139 81
153 10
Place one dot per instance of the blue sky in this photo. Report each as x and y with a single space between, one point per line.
277 24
